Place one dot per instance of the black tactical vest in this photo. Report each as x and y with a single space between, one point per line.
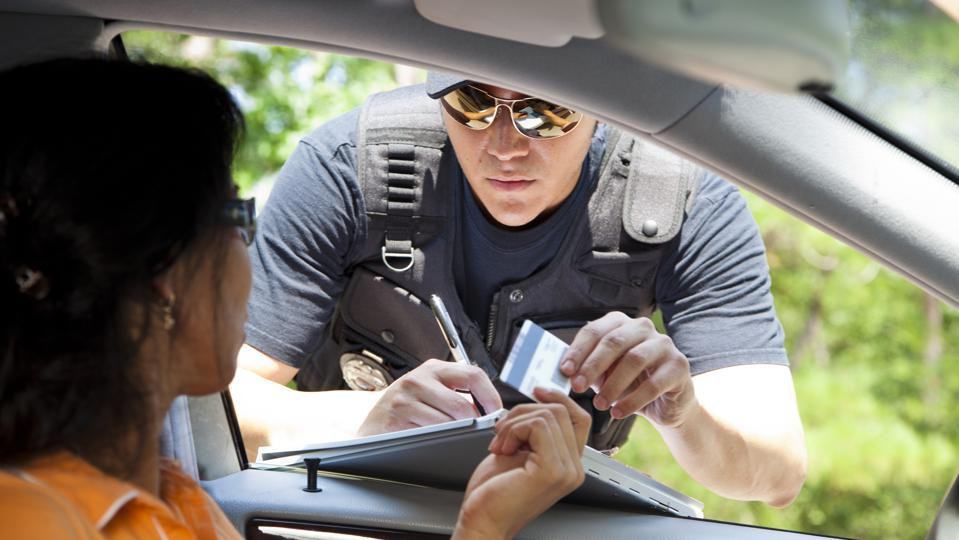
383 326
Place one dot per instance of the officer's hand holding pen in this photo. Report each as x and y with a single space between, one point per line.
428 395
452 338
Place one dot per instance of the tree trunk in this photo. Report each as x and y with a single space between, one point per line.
932 356
811 338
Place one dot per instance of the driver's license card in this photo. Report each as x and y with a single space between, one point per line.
534 361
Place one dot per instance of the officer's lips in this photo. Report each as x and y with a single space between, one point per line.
510 184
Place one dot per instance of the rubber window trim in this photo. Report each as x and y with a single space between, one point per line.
117 49
911 149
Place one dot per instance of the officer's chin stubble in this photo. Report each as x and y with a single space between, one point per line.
516 180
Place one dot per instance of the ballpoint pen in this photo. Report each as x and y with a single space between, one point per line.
452 338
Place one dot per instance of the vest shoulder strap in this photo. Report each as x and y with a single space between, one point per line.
643 190
659 193
400 141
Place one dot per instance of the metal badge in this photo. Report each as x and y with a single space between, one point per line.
364 371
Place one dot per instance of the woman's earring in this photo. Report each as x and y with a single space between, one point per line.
167 307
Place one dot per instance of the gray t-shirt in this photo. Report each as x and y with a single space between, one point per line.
713 285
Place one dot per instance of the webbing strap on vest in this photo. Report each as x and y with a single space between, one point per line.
399 148
401 184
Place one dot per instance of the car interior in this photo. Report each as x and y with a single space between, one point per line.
738 87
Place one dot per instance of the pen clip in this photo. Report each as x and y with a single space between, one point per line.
444 321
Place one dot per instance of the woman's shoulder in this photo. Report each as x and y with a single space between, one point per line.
30 509
190 503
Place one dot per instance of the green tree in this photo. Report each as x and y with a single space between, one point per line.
880 458
283 92
874 358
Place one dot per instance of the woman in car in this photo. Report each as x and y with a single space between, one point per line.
123 283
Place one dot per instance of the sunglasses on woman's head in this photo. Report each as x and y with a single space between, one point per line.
532 117
241 213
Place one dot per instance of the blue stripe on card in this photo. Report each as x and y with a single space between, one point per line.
525 356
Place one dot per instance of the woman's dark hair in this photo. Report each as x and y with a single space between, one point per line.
109 171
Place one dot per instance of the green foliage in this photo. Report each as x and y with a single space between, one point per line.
283 92
875 360
881 436
871 474
906 53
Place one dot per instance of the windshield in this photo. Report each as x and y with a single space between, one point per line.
902 71
874 359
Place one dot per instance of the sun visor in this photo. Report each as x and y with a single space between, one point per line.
782 45
550 23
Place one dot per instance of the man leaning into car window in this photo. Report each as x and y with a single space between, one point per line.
510 208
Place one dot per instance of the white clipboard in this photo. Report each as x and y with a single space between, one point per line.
445 455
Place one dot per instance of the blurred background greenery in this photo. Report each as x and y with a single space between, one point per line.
875 359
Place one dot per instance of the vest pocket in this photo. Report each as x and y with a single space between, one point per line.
379 314
629 269
621 278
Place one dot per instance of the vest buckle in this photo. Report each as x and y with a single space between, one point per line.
387 255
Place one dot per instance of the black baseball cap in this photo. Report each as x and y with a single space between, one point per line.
439 84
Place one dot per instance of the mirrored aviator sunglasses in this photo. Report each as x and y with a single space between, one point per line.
532 117
241 213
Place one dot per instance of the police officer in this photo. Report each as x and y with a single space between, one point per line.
512 207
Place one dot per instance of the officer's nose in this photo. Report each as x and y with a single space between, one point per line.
505 142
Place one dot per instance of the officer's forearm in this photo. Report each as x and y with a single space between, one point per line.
743 444
273 414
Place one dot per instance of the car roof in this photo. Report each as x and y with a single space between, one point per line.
792 149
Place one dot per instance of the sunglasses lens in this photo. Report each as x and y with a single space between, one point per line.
471 107
248 233
539 119
533 117
241 213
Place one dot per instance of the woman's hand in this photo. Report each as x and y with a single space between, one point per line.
535 459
